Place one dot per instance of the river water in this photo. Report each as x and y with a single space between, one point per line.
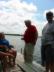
19 45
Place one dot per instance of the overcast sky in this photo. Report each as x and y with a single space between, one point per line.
14 12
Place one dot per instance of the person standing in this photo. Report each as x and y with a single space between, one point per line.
43 45
30 38
49 42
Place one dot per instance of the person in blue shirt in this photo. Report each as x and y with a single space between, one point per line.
9 48
3 41
4 45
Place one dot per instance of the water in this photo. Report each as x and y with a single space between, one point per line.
19 44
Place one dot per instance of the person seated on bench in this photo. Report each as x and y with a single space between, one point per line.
9 49
3 58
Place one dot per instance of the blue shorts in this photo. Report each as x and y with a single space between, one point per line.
49 53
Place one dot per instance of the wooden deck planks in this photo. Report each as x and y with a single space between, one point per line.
27 67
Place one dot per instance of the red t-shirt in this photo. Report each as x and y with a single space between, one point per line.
31 35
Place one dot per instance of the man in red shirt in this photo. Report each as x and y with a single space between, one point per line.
30 38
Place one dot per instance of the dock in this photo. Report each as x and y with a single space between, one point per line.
21 66
28 67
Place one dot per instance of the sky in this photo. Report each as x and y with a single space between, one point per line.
13 13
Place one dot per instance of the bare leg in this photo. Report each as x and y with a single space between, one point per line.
4 64
47 67
52 67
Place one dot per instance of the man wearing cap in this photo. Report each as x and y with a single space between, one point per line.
30 38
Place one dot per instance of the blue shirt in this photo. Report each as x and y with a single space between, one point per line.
4 42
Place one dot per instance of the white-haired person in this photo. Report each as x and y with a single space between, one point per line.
30 38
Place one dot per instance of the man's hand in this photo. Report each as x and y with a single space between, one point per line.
22 38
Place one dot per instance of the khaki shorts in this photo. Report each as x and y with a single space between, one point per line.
28 52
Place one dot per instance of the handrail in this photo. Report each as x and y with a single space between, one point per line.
18 35
14 34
